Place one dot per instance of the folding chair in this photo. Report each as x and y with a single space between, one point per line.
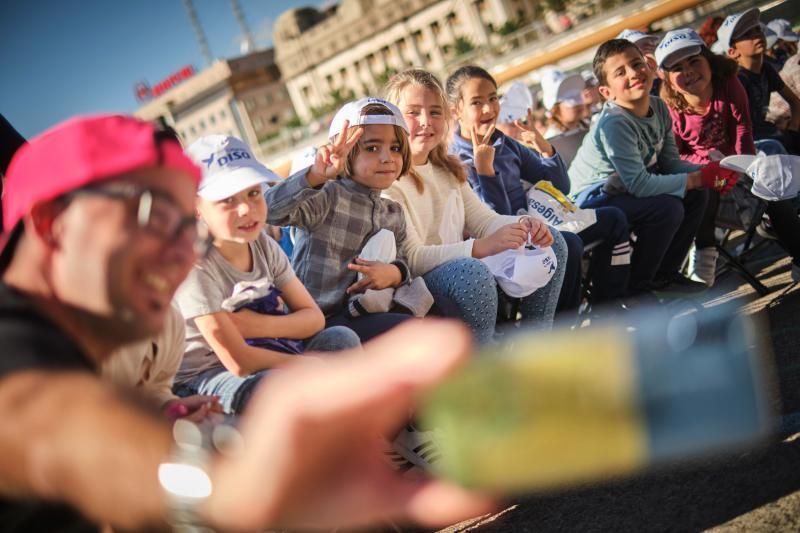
567 144
740 210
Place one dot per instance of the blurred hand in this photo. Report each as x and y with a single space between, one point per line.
313 441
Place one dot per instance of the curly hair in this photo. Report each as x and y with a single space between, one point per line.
722 69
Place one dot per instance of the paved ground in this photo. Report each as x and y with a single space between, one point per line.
754 491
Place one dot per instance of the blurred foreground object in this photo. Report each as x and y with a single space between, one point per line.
548 410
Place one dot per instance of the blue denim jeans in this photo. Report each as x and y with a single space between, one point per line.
234 391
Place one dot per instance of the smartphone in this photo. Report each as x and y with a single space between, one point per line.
569 406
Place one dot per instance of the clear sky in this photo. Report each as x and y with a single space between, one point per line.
62 58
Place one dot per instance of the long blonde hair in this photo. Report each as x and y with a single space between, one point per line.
439 156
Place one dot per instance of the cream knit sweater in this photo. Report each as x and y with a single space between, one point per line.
439 217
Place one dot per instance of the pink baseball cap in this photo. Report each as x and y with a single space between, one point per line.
79 152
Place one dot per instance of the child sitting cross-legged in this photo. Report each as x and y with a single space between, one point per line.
225 300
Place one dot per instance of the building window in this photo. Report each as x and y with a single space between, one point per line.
274 119
212 120
435 28
202 125
193 131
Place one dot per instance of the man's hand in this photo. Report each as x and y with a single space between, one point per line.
314 437
331 158
483 152
377 275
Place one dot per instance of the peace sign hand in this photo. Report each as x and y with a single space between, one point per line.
483 152
531 136
330 158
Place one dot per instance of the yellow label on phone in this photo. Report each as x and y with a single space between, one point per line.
542 410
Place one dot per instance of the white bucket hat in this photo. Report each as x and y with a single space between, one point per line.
228 167
351 112
676 46
736 25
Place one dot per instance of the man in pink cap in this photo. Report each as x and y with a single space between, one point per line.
101 230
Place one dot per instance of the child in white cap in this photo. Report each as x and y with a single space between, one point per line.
646 43
234 300
710 119
336 208
562 96
743 38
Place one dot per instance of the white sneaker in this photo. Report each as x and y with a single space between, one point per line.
420 448
705 265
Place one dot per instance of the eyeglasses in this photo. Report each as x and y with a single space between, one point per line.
156 213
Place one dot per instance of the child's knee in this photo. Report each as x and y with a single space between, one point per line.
668 211
615 224
334 339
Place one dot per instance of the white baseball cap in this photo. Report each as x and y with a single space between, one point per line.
736 25
775 177
351 112
676 46
636 36
515 103
783 30
558 87
228 167
770 34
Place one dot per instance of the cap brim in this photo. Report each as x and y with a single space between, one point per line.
228 183
748 20
679 55
739 163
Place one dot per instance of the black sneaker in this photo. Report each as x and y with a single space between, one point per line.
677 284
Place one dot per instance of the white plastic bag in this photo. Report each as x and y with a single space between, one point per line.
548 204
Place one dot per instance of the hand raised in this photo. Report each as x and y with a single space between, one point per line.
531 136
331 158
483 151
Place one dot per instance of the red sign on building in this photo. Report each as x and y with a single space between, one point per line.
143 91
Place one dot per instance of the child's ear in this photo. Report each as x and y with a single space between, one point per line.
733 53
605 92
